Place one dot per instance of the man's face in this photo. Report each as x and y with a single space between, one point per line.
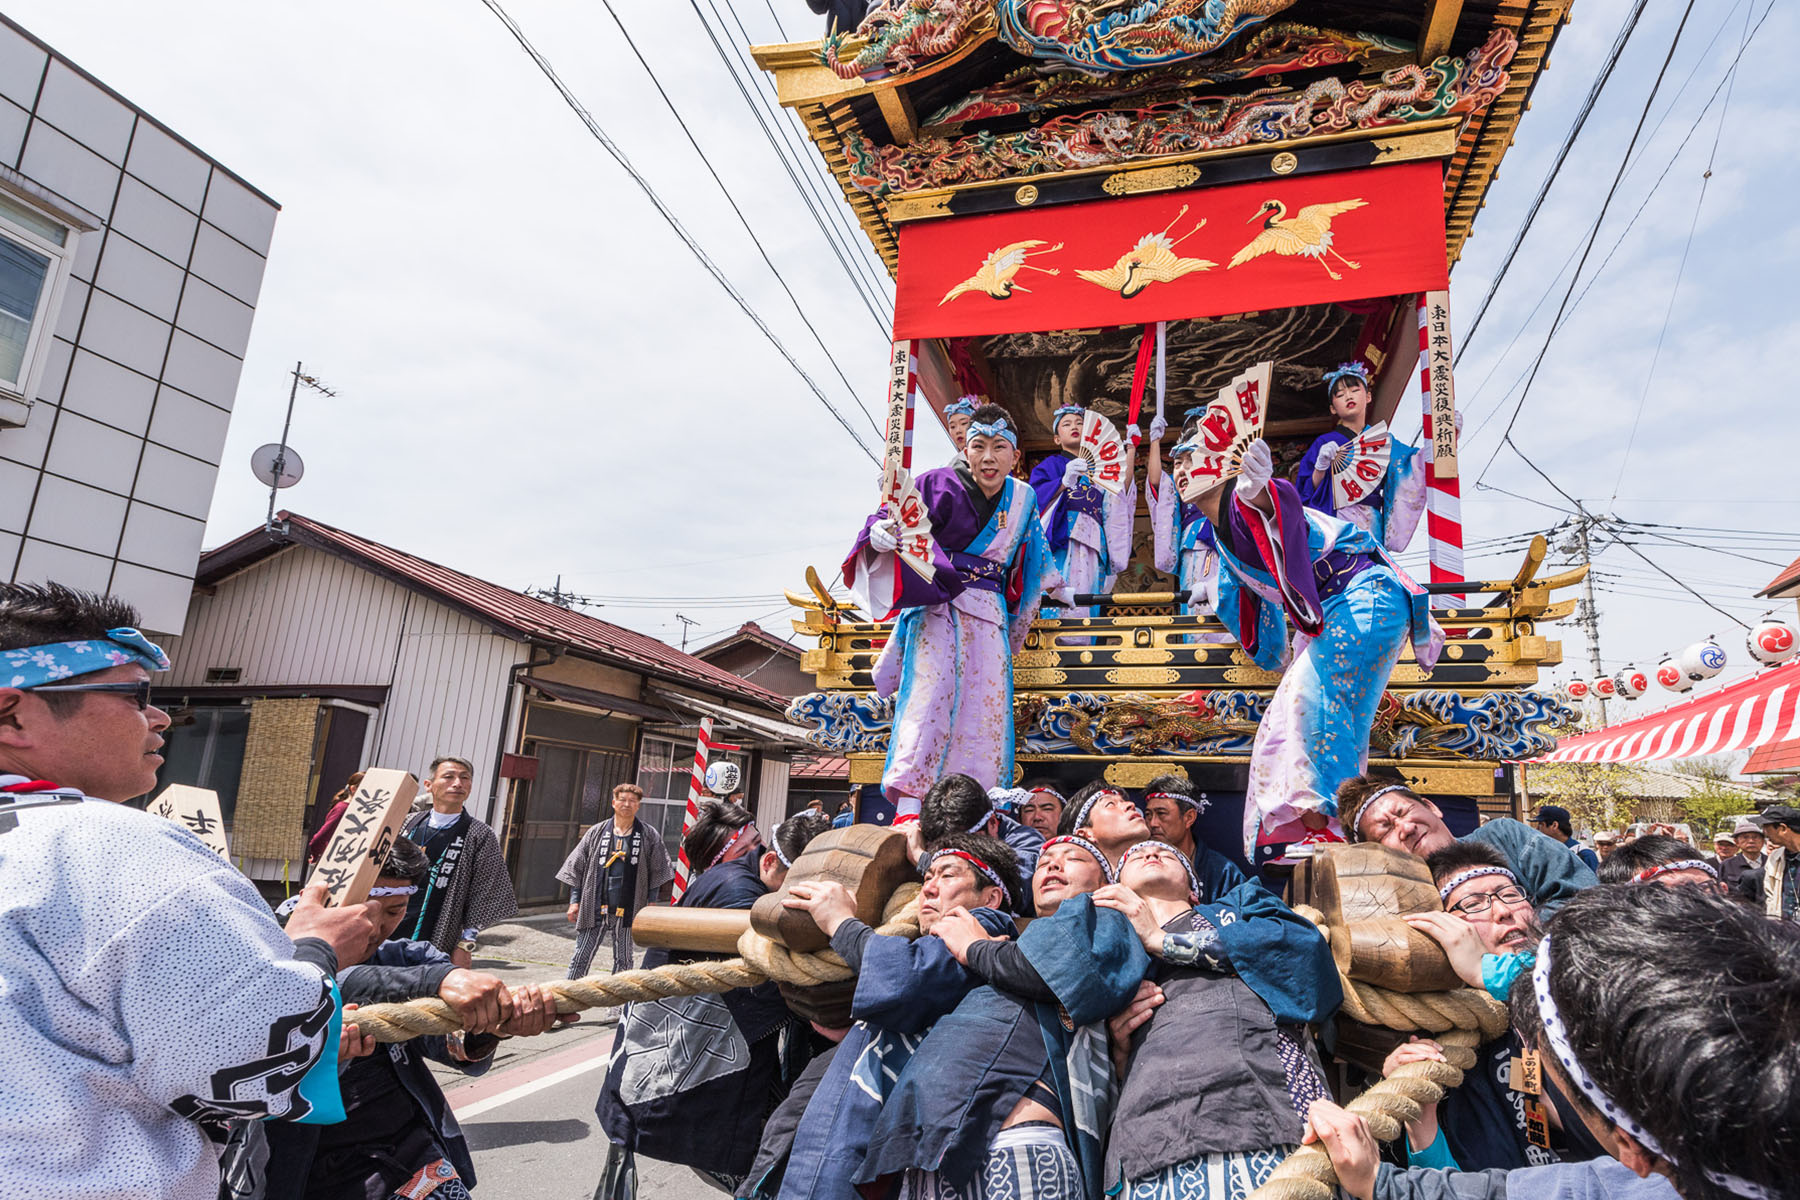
1349 400
1042 812
449 786
1549 829
1783 836
1063 871
1068 434
1113 823
1169 820
105 745
390 911
951 882
991 460
1157 873
1725 848
1507 922
959 430
1402 822
1749 843
1604 848
625 807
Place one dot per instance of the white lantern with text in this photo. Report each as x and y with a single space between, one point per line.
1670 675
1772 642
1701 661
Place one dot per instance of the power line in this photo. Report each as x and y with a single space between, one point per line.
738 212
650 193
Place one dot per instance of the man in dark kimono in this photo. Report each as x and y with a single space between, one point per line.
614 870
468 888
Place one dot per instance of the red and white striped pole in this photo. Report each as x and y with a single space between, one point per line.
696 782
1443 490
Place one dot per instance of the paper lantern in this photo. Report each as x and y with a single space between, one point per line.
1670 675
1772 642
1702 660
1577 689
723 778
1632 682
1604 687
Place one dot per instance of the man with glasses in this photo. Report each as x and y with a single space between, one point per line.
1488 930
151 997
1377 809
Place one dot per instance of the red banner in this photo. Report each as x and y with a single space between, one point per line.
1205 252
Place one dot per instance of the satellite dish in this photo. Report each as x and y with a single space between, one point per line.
262 465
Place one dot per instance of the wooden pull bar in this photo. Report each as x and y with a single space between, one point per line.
715 930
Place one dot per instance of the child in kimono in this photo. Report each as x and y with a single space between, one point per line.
1354 610
1217 1064
1180 537
1391 507
1008 1096
1089 528
948 659
957 416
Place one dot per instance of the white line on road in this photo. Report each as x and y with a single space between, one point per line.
489 1103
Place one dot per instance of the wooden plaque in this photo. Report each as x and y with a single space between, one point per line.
360 843
1435 356
195 809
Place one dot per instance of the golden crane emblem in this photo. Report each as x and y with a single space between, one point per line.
1152 260
1308 234
995 277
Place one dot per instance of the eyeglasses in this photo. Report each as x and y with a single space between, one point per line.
138 691
1480 902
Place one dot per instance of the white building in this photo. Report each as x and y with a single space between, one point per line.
130 264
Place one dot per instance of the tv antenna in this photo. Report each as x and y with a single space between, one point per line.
278 464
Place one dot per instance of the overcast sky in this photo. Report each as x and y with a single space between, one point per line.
534 377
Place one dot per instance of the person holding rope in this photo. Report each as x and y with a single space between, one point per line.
150 996
1682 1072
692 1079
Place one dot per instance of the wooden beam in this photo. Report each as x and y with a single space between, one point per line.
896 108
1438 29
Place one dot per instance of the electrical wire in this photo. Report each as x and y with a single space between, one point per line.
674 223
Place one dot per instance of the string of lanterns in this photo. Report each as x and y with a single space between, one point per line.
1771 642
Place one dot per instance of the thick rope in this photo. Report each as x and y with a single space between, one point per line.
1459 1021
761 960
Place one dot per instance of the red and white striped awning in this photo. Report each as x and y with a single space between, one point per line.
1751 712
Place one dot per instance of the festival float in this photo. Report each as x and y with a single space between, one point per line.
1130 206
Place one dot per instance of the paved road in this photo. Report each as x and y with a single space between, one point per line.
530 1120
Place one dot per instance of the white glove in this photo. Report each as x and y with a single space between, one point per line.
884 535
1133 433
1074 471
1256 470
1158 427
1458 421
1327 458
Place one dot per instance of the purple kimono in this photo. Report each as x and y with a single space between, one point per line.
1392 510
948 660
1088 528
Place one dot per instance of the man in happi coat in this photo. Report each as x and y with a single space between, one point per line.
468 888
948 660
1088 528
614 870
1214 1054
1352 611
1391 507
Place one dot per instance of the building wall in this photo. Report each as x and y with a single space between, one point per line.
776 670
107 483
771 794
303 617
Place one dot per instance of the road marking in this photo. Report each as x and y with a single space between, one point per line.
532 1077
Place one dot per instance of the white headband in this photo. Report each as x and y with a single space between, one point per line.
1462 877
375 893
1355 831
1558 1036
1088 804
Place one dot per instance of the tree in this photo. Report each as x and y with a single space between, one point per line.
1597 794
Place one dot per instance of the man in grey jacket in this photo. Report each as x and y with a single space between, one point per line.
616 868
1682 1072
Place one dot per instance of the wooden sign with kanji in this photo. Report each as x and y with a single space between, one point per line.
195 809
360 843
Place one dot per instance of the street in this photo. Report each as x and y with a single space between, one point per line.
530 1120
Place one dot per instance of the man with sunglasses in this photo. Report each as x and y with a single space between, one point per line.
150 996
1488 930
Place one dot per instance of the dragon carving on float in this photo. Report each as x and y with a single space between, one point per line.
902 35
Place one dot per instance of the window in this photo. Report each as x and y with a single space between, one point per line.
664 768
205 748
34 261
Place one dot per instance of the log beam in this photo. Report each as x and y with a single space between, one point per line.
1438 29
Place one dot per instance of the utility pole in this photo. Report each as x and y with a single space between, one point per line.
287 424
687 623
1587 613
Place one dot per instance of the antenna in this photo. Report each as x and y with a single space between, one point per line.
555 595
687 623
277 464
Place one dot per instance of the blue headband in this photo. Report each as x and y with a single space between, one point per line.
1181 448
1349 370
1067 410
997 429
33 666
961 407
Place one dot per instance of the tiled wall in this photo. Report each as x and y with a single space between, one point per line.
107 486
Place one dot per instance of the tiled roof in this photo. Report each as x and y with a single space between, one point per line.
511 612
820 768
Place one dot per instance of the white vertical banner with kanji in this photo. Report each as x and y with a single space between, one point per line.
1443 489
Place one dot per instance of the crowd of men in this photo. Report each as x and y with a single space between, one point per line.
1099 1006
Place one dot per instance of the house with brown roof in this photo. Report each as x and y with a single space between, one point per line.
310 652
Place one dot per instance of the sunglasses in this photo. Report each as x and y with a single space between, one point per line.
138 691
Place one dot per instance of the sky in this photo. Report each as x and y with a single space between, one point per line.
535 378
